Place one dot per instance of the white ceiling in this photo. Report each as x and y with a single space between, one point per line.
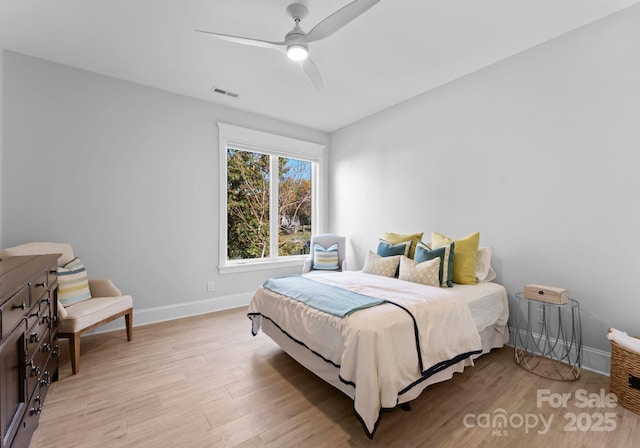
396 50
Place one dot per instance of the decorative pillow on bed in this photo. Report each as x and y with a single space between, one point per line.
325 259
396 238
386 249
384 266
484 271
73 284
426 273
464 263
446 256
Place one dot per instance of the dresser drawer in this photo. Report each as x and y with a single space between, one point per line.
36 364
36 334
52 277
13 310
41 314
33 316
39 285
30 420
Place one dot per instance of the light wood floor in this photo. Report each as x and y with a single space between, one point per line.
206 382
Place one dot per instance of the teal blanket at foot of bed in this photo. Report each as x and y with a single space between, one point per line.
327 298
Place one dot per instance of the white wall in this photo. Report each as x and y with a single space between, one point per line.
127 174
1 133
537 152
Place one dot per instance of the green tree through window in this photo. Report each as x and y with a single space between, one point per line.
249 202
294 206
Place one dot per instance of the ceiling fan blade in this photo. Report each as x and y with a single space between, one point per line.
338 19
247 41
313 74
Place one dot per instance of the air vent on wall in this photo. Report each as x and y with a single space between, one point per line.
224 92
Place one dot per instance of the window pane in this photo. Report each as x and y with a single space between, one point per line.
294 202
247 204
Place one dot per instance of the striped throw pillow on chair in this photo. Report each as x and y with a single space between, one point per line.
73 283
325 259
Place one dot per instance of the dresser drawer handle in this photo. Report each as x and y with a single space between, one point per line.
47 381
22 306
35 370
35 337
42 285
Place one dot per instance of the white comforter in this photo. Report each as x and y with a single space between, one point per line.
375 348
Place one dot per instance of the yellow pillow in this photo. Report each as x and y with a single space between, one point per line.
465 255
397 238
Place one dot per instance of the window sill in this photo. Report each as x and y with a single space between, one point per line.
249 266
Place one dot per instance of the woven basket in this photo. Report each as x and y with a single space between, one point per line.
624 378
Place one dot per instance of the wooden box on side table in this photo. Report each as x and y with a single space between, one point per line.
545 293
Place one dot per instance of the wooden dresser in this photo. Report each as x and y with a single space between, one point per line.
28 345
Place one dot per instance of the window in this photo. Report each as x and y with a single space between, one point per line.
269 198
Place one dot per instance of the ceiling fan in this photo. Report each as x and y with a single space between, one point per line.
296 42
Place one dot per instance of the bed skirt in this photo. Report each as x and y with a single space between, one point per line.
490 338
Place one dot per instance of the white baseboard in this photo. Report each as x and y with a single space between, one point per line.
596 360
146 316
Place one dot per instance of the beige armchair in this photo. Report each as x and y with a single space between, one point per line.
326 240
106 303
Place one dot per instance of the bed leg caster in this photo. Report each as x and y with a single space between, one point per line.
405 407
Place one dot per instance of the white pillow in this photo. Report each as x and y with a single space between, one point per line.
484 271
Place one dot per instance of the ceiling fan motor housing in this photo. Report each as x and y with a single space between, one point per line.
298 11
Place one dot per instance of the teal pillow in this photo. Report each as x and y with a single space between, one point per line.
425 253
386 249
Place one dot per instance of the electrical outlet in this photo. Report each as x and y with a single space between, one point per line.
211 286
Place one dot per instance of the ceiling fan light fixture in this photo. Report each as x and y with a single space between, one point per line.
296 41
297 52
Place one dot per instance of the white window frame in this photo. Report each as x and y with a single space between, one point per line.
231 136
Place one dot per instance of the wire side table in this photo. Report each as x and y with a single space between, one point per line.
553 349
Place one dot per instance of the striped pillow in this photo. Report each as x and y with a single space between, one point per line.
73 284
325 259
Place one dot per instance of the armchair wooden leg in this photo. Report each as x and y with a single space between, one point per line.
74 349
128 319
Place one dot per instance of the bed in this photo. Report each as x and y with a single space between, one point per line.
384 354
